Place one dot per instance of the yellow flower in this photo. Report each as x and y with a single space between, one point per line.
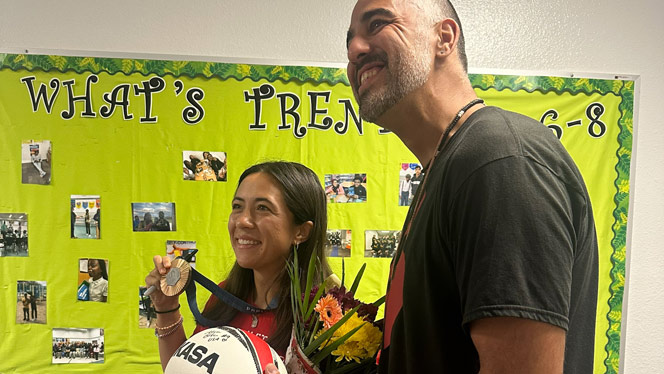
329 310
361 345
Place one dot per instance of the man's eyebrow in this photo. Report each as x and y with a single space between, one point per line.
365 17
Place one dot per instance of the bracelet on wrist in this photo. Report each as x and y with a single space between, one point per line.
169 329
167 311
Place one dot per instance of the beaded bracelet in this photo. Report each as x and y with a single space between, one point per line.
167 311
172 328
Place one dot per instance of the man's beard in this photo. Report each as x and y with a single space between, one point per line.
407 72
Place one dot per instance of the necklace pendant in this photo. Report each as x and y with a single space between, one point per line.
254 321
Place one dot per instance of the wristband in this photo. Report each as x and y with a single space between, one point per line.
167 311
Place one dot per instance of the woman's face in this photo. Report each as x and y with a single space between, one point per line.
261 225
94 270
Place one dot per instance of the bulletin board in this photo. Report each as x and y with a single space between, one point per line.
115 135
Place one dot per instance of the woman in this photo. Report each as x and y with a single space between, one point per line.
98 279
277 206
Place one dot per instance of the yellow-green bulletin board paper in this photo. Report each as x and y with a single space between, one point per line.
209 107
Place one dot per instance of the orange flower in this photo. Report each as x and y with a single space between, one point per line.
329 310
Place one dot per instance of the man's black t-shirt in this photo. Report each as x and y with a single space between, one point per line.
505 229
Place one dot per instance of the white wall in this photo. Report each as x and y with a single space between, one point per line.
609 37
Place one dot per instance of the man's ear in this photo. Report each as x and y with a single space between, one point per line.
448 36
303 232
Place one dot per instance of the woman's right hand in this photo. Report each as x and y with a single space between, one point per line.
161 302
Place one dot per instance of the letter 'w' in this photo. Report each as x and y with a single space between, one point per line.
41 93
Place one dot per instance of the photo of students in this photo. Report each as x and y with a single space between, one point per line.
93 279
204 166
380 243
410 177
85 216
153 216
36 162
13 235
346 188
147 317
31 302
78 346
338 243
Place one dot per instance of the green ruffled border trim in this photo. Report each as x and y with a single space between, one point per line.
625 90
191 69
333 76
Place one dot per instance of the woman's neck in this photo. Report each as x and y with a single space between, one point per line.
265 288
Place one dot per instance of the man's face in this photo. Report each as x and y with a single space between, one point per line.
418 171
388 54
356 182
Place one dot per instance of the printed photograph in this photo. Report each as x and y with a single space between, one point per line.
177 248
153 216
13 235
410 177
36 161
204 166
85 217
92 279
381 243
78 346
337 243
147 318
31 302
346 188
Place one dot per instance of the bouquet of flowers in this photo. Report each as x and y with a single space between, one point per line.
333 333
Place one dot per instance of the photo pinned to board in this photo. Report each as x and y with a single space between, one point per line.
36 162
204 166
153 216
78 346
13 235
92 279
381 243
338 243
346 188
31 302
410 178
85 221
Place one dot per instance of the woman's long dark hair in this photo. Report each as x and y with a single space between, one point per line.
305 198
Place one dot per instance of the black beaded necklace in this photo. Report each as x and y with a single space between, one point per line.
419 196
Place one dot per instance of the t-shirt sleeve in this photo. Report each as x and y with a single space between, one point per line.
513 242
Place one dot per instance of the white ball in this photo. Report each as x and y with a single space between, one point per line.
227 350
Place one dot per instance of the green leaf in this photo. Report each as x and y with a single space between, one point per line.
379 302
313 302
358 278
343 272
310 278
318 357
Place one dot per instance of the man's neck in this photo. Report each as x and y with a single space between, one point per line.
420 119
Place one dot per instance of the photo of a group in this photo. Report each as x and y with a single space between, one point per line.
338 243
13 235
147 317
85 217
410 178
92 279
346 188
36 162
153 216
204 166
78 346
380 243
30 302
177 248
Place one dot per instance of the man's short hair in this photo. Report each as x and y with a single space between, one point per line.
436 11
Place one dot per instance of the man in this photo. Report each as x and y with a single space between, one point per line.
496 270
161 224
405 190
417 179
357 193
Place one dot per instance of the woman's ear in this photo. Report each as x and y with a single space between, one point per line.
303 231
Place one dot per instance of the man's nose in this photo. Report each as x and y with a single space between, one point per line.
358 47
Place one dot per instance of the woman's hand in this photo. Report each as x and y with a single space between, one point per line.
160 301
